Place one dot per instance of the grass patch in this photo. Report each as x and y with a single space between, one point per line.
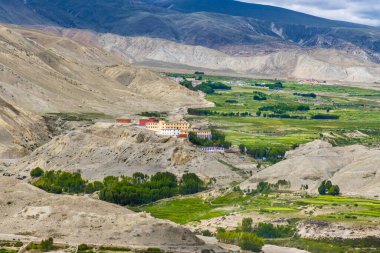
184 210
79 116
190 209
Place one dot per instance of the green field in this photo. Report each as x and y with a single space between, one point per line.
358 110
185 210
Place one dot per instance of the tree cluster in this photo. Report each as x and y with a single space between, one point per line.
307 95
268 153
206 112
218 140
154 114
327 188
283 108
271 86
135 190
325 116
140 189
44 246
59 181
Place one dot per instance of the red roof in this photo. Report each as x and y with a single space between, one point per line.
143 122
123 120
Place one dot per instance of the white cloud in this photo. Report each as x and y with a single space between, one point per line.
355 11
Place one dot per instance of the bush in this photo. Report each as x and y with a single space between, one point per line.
249 241
231 101
83 247
245 240
36 172
19 244
259 96
324 116
268 230
206 233
246 225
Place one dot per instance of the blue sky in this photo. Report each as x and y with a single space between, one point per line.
356 11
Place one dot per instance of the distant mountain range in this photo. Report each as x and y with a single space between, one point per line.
218 24
231 27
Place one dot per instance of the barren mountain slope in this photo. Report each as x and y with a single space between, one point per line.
24 209
20 131
355 169
320 64
48 73
108 149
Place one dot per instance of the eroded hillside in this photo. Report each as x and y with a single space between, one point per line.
26 210
355 169
107 149
43 73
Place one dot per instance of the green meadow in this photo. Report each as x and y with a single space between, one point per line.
358 110
287 205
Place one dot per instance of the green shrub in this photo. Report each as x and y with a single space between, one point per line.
246 224
45 245
245 240
259 96
83 247
206 233
268 230
19 244
36 172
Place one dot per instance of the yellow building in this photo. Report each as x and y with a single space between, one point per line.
163 125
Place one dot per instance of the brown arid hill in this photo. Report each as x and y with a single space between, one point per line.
27 210
355 169
351 65
44 73
107 149
48 73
